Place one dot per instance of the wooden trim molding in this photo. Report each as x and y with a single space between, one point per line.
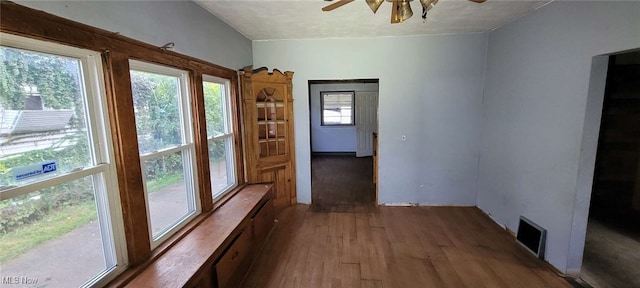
20 20
200 140
237 129
127 158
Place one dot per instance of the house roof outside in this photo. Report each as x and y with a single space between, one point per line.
27 121
27 130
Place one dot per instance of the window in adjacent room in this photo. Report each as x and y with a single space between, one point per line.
165 141
220 137
337 108
59 201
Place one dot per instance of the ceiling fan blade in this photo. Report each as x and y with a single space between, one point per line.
335 5
478 1
395 16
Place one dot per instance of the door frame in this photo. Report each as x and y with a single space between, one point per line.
341 81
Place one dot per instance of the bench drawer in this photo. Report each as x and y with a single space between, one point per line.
262 222
232 265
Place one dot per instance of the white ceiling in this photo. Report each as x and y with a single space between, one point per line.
304 19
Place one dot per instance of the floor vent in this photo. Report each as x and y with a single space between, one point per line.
531 236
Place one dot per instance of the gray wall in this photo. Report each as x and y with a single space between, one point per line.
541 117
333 138
194 31
432 95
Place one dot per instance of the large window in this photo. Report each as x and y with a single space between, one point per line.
337 108
59 201
99 150
220 137
165 141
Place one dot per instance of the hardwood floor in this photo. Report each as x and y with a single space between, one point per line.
342 183
396 247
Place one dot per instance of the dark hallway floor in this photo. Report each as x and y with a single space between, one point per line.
342 183
611 255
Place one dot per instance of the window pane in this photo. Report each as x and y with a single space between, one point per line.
53 236
42 116
214 108
170 198
220 165
337 108
156 99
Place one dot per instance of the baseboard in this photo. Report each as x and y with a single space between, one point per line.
410 204
333 154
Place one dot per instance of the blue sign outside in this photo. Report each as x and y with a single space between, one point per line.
24 172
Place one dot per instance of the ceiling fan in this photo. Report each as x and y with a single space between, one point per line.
400 11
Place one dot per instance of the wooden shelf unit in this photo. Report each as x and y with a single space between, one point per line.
267 103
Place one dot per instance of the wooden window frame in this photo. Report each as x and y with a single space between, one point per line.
116 52
186 148
101 169
228 134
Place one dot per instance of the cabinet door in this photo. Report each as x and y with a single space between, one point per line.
280 176
204 279
272 123
232 265
261 224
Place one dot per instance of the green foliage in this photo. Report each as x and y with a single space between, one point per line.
68 158
26 209
57 81
156 98
213 106
56 78
158 123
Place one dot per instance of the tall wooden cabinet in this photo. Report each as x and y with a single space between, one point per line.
267 104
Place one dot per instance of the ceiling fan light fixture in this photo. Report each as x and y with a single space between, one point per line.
374 5
404 12
428 4
400 10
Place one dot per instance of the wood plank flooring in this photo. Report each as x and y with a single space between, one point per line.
342 183
396 247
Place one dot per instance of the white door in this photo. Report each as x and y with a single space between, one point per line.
366 122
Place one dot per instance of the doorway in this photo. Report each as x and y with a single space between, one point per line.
343 120
612 246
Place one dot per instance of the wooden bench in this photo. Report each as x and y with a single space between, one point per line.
218 252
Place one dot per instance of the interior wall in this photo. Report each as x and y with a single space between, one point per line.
194 31
333 138
430 90
541 115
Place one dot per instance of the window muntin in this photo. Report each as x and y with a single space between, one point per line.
57 181
165 137
220 137
337 108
